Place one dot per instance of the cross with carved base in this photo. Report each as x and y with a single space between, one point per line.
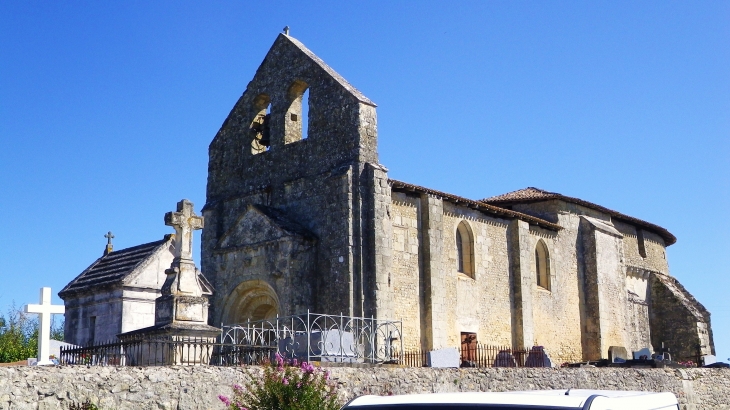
185 222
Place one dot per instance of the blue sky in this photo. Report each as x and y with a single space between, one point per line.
107 110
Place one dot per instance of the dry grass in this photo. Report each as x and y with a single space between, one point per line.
18 363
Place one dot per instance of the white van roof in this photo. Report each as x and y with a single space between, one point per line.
573 398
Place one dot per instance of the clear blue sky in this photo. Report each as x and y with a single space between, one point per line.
107 110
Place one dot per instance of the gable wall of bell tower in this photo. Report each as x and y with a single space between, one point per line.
321 180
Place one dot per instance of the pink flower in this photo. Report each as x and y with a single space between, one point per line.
326 375
237 387
285 381
224 399
307 368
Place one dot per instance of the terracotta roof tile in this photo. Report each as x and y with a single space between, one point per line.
532 194
475 204
529 193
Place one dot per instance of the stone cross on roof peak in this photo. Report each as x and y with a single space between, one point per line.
109 247
185 222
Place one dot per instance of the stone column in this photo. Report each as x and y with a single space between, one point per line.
434 323
605 297
523 333
381 235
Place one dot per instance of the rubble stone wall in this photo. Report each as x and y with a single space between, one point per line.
198 387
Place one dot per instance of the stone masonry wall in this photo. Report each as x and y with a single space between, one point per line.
480 304
406 267
319 180
198 387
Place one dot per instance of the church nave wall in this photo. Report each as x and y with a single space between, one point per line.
556 309
480 303
654 256
407 286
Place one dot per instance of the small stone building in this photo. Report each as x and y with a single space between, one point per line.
117 293
305 217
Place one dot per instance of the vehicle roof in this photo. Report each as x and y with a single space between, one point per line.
575 398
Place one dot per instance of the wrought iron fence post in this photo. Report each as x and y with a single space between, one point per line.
308 330
373 336
400 334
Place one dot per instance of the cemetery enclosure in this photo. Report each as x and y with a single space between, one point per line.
198 387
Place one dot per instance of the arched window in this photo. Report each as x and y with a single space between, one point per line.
542 265
260 130
296 122
464 250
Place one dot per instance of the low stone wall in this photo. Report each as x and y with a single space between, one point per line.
198 387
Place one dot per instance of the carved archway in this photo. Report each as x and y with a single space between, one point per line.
250 300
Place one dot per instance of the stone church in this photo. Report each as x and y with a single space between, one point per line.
304 217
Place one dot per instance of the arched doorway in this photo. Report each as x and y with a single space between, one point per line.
250 300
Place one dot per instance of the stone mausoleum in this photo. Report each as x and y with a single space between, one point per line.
300 214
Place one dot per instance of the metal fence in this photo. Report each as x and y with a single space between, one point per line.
308 337
159 352
482 355
321 337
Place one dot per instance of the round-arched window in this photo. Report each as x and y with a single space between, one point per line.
542 265
464 249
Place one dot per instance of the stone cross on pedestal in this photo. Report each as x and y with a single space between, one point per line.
185 222
181 310
44 310
109 247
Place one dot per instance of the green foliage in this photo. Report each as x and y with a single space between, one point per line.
19 335
87 405
285 385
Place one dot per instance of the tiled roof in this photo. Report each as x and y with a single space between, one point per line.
527 194
532 194
506 213
112 268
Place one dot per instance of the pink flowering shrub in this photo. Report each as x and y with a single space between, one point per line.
285 385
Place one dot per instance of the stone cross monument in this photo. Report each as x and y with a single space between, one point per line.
181 312
185 222
182 295
44 310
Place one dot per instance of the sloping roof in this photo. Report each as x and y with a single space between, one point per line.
112 268
283 221
346 85
506 213
673 285
532 194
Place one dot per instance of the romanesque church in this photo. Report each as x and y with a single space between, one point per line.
307 218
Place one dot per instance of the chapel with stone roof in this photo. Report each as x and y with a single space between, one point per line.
117 292
305 217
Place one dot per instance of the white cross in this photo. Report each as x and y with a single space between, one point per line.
44 310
